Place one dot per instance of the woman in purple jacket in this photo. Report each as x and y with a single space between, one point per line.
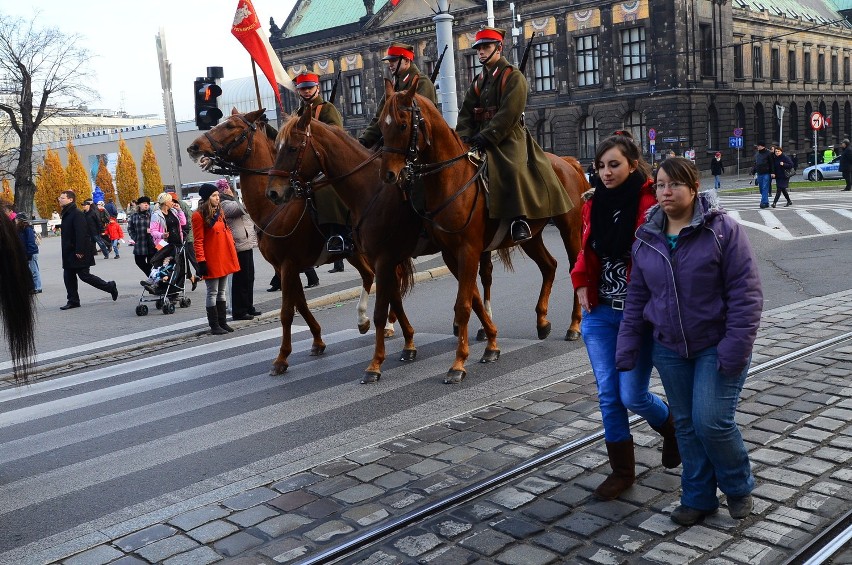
695 282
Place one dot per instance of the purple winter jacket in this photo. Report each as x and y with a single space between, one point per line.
703 293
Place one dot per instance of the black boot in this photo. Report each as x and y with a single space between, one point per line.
221 315
520 230
213 320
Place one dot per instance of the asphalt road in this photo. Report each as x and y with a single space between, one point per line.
118 439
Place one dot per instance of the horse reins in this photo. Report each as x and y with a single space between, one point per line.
221 153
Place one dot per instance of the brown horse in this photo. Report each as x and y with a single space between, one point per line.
17 308
289 239
418 143
386 228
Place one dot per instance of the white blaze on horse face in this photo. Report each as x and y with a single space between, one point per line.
388 120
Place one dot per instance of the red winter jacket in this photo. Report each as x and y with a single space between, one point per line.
587 269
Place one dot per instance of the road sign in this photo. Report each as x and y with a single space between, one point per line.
735 142
817 121
670 139
652 134
738 132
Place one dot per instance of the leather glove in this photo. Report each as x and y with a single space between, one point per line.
363 142
201 271
478 141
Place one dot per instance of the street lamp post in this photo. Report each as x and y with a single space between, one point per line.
447 75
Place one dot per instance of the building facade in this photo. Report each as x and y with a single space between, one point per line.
680 74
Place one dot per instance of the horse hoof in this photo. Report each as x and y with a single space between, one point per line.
389 333
364 328
455 330
371 377
408 355
454 377
572 335
490 356
317 350
480 335
544 331
278 369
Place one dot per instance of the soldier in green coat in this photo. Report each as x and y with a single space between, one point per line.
333 214
400 60
521 180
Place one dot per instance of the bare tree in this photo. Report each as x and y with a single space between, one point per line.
42 73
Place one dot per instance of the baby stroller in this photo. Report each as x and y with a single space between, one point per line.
167 284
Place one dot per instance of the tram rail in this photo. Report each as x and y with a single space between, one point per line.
818 551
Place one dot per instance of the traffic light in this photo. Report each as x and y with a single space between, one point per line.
207 112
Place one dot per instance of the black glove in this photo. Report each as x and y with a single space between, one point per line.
478 141
465 138
201 271
364 142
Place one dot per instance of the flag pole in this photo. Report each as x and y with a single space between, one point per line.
256 86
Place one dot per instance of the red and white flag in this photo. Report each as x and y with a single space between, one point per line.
246 28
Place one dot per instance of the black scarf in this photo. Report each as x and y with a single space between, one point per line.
614 216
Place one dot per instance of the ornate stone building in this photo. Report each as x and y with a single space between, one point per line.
691 70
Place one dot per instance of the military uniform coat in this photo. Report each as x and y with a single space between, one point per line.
330 208
424 88
521 181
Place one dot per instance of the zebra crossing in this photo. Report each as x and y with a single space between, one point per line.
813 214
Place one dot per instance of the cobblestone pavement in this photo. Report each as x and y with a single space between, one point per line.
795 420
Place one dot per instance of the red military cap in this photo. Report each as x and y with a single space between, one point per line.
489 35
397 50
306 80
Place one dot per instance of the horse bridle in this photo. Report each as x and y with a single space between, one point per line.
222 161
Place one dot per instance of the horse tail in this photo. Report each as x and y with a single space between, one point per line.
405 274
16 299
505 255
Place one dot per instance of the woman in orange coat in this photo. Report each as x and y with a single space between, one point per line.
216 255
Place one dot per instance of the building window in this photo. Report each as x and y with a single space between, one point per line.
633 58
544 135
588 137
545 75
793 121
739 70
706 50
587 60
835 71
325 89
807 65
712 128
635 124
847 71
791 66
821 67
775 64
757 62
356 107
473 67
759 122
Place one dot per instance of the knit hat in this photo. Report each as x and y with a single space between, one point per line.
143 200
206 190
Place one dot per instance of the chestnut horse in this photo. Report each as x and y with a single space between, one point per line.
289 239
17 308
418 143
386 228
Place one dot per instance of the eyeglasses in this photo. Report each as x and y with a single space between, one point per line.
669 185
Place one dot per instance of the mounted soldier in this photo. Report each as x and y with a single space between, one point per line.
333 214
521 180
400 61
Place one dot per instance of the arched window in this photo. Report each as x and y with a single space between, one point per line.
635 124
823 132
544 135
712 128
588 135
759 123
740 122
793 127
847 121
835 121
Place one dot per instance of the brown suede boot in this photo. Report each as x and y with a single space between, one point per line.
623 464
671 454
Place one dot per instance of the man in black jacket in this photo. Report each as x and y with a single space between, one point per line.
846 163
77 252
95 227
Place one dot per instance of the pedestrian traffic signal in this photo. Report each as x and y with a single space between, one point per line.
207 112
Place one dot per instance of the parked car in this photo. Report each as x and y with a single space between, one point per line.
824 171
121 217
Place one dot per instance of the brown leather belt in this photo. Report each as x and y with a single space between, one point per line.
484 114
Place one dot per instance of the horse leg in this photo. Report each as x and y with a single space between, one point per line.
290 287
409 350
389 331
486 271
489 329
569 228
466 267
357 260
318 346
385 280
547 265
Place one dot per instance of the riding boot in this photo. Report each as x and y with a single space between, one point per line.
520 230
623 464
213 320
671 454
222 313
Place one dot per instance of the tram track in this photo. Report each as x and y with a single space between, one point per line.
816 552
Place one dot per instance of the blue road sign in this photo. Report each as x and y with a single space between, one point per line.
735 142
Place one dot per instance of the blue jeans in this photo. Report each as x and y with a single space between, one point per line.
717 182
115 244
703 403
764 181
619 392
33 264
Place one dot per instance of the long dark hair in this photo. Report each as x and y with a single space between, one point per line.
16 299
208 212
623 140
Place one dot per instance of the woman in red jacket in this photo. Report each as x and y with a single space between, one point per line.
216 255
622 193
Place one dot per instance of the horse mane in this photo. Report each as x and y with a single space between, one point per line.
429 111
16 299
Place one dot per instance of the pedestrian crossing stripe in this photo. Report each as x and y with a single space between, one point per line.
778 223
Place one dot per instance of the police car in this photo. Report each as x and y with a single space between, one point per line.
824 171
